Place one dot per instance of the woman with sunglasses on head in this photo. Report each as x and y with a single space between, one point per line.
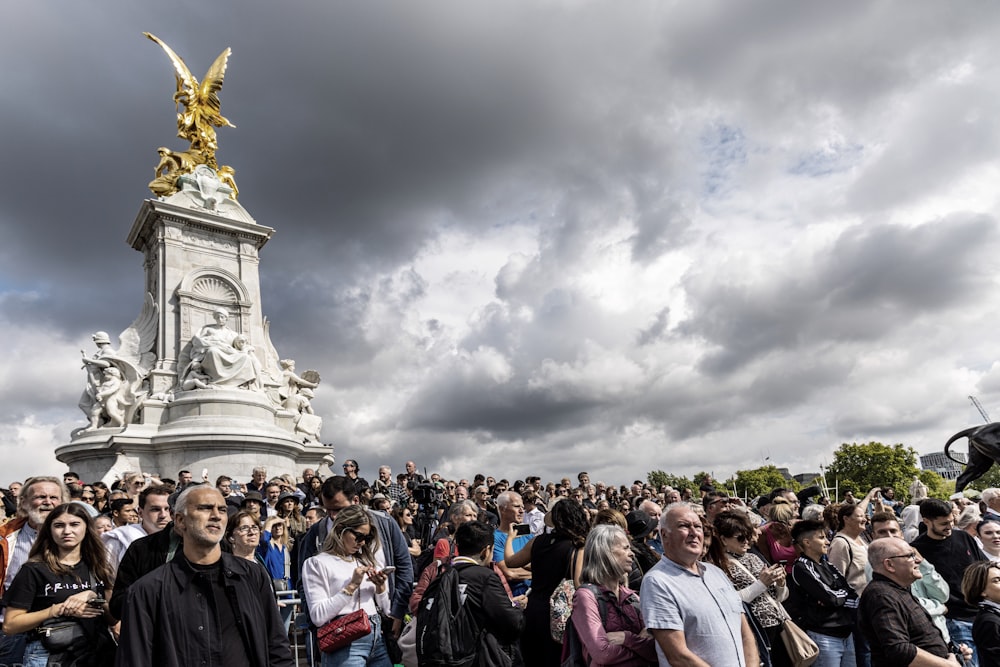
64 580
345 576
761 586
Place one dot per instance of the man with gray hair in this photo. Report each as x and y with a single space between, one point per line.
258 481
204 607
991 498
510 505
898 629
690 607
38 497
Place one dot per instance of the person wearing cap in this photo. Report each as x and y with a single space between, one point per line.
254 502
288 509
640 526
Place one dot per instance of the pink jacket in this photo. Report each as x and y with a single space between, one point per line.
636 651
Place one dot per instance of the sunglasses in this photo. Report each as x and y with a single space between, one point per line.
359 537
89 499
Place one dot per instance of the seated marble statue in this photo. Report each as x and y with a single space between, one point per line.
226 358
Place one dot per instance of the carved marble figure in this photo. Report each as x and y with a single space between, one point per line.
115 377
918 491
291 383
224 356
307 424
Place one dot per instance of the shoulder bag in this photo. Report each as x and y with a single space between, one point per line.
561 602
342 630
801 649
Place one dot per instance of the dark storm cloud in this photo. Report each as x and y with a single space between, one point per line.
611 146
874 279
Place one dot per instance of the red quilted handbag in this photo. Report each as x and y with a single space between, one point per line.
343 630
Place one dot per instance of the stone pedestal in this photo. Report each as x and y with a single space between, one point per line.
199 255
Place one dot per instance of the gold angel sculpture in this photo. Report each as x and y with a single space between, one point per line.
197 123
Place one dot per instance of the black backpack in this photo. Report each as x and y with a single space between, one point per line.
447 632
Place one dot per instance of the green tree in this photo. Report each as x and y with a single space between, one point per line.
858 467
990 480
658 478
758 481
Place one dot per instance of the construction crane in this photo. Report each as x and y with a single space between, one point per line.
979 406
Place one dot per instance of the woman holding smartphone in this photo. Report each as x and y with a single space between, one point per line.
62 583
761 586
344 577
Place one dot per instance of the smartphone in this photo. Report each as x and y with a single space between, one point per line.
96 602
522 529
783 563
389 569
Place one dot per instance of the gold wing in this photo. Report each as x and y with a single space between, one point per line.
208 93
186 82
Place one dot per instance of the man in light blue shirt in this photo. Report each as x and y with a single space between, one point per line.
691 608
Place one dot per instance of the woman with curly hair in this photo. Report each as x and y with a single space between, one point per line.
64 578
553 557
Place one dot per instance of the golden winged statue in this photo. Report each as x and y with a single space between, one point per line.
197 122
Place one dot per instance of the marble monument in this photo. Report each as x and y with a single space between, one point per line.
195 381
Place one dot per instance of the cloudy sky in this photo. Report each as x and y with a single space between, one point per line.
537 237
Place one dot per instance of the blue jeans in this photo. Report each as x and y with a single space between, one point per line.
367 651
35 655
833 651
961 633
11 649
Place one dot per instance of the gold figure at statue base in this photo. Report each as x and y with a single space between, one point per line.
196 124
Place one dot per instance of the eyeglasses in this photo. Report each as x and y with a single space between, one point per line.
728 501
359 537
910 556
247 530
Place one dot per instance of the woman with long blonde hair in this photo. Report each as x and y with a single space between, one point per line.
343 577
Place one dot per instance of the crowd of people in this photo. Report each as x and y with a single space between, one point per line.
157 571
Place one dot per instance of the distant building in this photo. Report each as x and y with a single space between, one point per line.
942 465
806 478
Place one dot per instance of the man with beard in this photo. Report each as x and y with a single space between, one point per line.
204 606
38 497
950 552
690 607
